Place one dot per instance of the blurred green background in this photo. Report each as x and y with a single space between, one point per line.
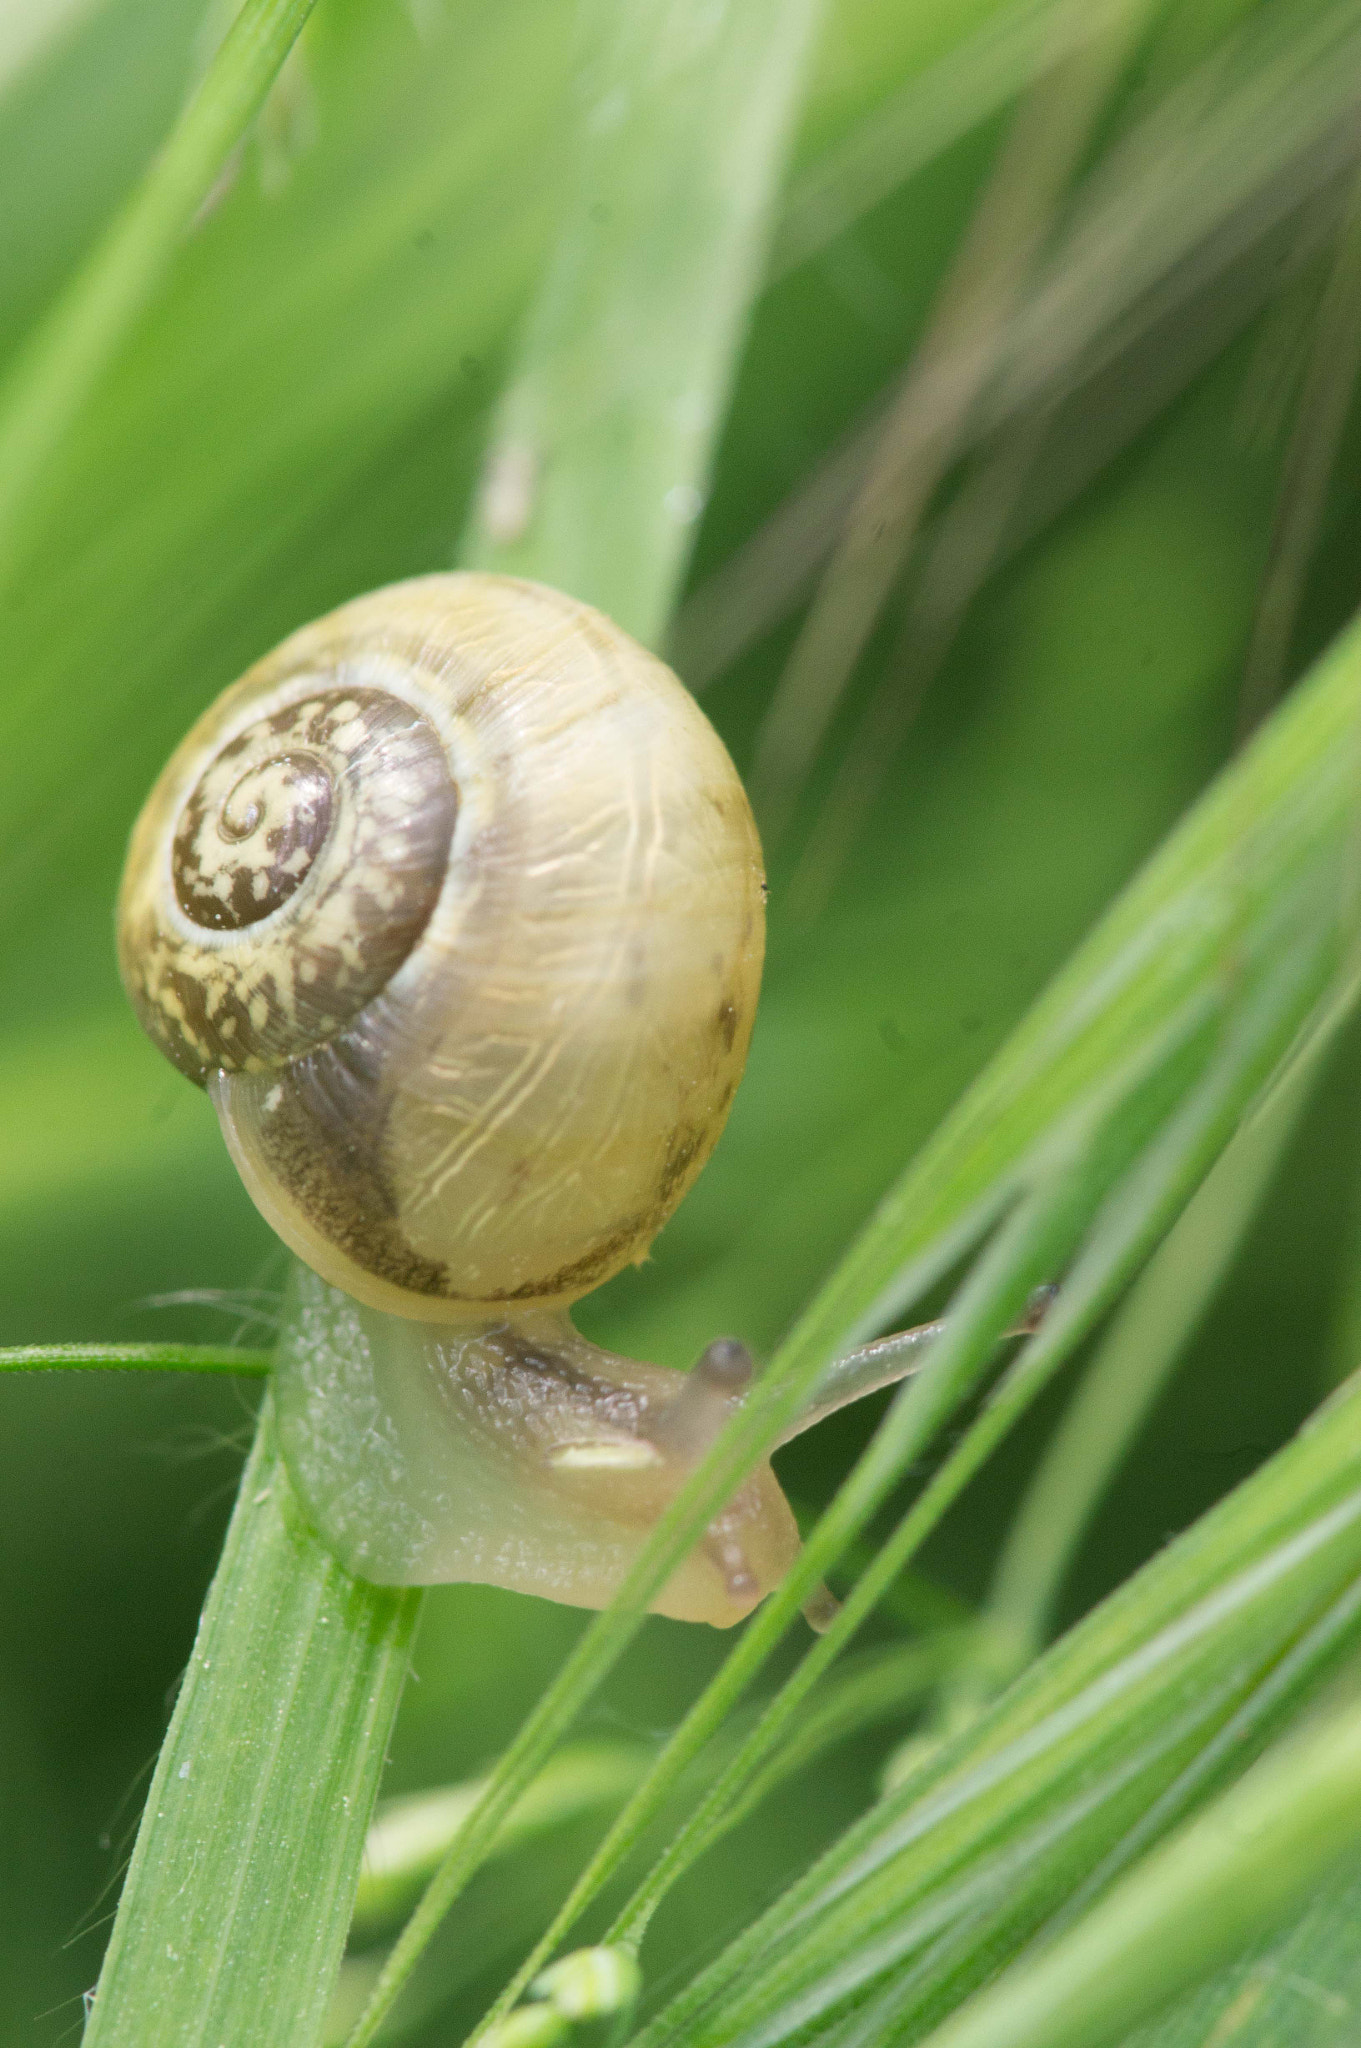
300 418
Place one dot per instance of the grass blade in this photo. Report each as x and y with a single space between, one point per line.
1300 1986
69 350
600 463
1237 1870
1126 1378
236 1904
966 1860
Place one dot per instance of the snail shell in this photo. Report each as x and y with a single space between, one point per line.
454 905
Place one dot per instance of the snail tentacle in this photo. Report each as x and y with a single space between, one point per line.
890 1360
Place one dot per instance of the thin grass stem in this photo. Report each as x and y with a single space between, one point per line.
953 362
1329 383
201 1358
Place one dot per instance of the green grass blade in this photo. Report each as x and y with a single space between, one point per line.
963 1862
410 1836
599 466
1300 1986
1237 1870
1125 1379
211 1358
70 349
236 1904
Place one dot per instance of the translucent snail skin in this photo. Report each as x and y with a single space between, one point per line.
453 904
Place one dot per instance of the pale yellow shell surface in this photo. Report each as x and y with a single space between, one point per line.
486 1070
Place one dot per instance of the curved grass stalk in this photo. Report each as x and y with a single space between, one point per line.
70 349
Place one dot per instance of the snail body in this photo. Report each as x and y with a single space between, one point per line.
514 1454
454 906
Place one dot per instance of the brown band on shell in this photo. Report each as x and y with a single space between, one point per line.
320 1132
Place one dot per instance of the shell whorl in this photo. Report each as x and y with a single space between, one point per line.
300 869
454 905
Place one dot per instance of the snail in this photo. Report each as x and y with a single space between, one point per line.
454 906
